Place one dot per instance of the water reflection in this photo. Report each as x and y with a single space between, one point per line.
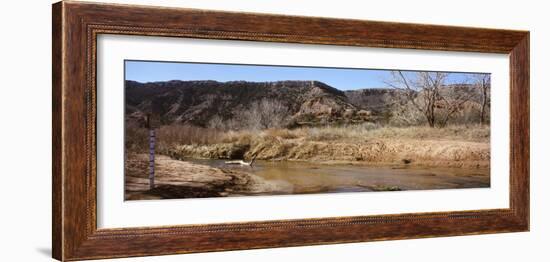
306 177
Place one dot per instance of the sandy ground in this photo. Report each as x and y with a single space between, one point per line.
182 179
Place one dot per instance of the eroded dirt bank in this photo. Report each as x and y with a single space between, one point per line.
182 179
415 152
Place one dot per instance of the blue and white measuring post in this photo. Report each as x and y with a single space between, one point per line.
152 124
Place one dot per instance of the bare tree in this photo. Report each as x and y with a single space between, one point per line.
483 83
421 89
404 114
453 98
432 95
266 114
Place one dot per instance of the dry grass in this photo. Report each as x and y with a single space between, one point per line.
238 137
449 146
284 133
186 134
474 133
170 136
136 138
455 146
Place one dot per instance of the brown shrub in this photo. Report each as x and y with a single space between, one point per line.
282 133
168 136
135 139
238 137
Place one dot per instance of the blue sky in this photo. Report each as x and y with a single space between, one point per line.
340 78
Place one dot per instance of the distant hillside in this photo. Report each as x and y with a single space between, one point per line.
203 103
198 102
377 100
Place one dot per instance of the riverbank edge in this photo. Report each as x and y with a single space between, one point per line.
392 153
186 179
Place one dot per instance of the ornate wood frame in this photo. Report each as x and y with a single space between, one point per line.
76 26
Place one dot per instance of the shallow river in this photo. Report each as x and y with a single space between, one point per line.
305 177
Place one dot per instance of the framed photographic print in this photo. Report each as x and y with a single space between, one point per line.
182 130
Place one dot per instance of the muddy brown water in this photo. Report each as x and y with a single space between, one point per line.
306 177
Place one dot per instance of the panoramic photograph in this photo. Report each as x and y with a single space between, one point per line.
200 130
